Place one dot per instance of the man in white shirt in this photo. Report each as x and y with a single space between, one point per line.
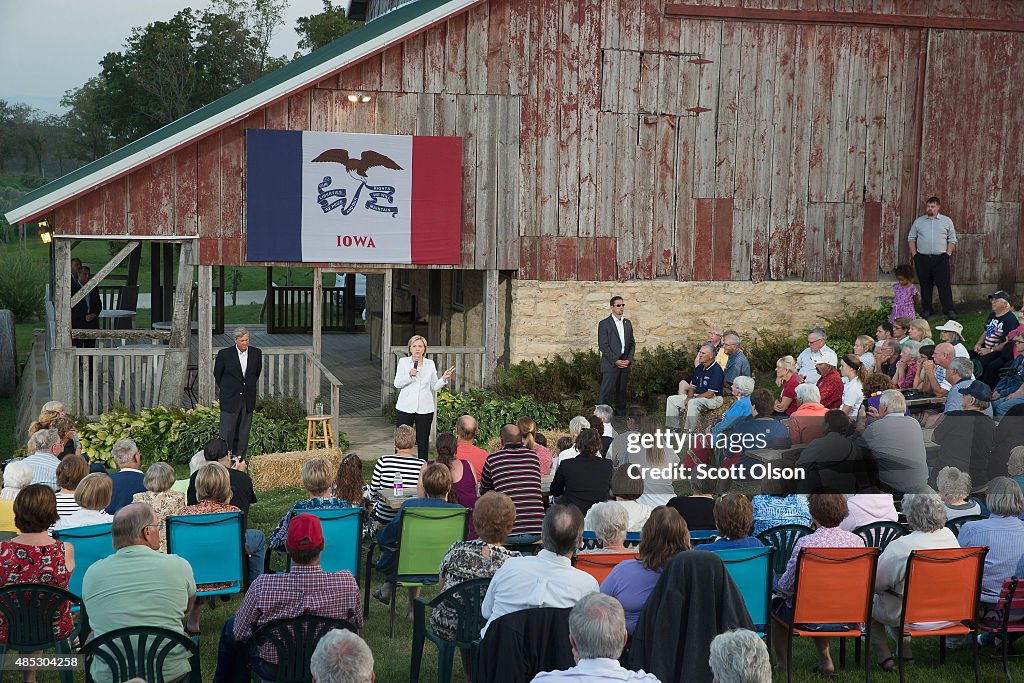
932 241
597 633
617 346
809 358
546 579
42 461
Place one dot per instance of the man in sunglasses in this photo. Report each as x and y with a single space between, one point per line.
616 343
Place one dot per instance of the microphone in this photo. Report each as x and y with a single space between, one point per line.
415 362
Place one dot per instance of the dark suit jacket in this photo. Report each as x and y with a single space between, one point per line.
90 304
124 486
610 345
233 387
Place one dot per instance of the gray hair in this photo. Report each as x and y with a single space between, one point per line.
124 452
732 338
129 524
159 477
807 393
341 657
709 347
604 412
924 510
17 475
892 401
597 624
739 656
893 346
743 385
953 484
53 407
1004 497
786 363
1014 465
240 331
610 521
197 461
963 367
577 425
44 439
818 332
913 348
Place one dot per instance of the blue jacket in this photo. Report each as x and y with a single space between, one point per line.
125 486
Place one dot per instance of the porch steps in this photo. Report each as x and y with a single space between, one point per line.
369 436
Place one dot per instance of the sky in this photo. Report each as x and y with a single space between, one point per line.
48 47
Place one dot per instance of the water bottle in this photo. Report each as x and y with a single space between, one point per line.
398 485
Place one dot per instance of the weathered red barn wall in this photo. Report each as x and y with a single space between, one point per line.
605 140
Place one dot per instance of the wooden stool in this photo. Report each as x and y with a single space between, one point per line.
325 439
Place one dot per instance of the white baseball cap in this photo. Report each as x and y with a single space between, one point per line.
825 355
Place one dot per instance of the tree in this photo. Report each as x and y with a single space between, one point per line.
88 134
261 19
318 30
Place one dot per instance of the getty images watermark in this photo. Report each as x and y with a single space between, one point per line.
733 444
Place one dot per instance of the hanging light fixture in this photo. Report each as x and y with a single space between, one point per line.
359 98
45 234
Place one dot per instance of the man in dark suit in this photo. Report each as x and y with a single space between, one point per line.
615 341
86 315
237 373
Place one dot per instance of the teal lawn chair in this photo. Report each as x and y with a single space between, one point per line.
140 652
466 600
212 545
92 543
425 535
751 570
783 538
343 533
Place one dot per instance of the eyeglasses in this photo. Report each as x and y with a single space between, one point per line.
155 525
618 305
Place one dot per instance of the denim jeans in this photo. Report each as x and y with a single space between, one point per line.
234 659
256 548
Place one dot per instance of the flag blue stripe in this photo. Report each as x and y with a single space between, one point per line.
273 195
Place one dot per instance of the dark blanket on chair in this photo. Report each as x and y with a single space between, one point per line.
520 645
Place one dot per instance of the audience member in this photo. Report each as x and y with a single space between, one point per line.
305 589
631 581
316 479
897 446
528 432
1009 390
906 367
887 355
585 479
762 425
610 525
901 330
965 436
854 373
1002 533
50 411
17 475
863 348
42 461
634 425
778 504
828 511
952 332
129 479
830 382
466 430
905 294
921 332
139 586
493 516
66 437
736 364
341 657
739 656
464 484
954 488
992 349
734 519
657 491
605 414
807 422
70 473
874 385
960 375
242 495
883 332
926 518
404 465
437 484
832 463
159 479
576 425
546 579
817 351
514 470
348 482
1009 435
93 497
704 391
625 491
597 633
787 380
868 508
698 508
740 410
1015 465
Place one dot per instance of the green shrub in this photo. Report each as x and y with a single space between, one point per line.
21 287
492 412
281 407
767 347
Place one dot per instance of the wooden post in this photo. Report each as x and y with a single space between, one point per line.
63 375
313 372
386 370
205 335
490 331
103 272
175 370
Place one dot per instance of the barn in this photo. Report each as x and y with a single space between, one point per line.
756 162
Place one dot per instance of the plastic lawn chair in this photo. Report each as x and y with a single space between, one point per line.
957 523
783 538
751 570
343 534
465 599
880 534
212 544
293 640
818 572
140 652
600 564
29 610
92 543
997 620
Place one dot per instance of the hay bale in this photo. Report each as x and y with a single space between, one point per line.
284 470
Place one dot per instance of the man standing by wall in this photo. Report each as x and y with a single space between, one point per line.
615 341
932 240
237 373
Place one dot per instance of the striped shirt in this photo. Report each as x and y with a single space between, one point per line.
515 471
1004 537
66 504
44 468
384 472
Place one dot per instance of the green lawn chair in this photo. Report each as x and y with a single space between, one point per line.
465 599
783 538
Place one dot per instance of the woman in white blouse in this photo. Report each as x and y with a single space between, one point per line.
854 373
417 380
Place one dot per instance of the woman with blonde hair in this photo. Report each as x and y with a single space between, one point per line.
93 496
921 332
786 379
416 379
657 491
317 478
158 480
67 430
49 411
864 347
528 429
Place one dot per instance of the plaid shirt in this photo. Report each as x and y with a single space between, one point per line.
306 589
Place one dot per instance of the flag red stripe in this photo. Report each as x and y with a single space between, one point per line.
436 200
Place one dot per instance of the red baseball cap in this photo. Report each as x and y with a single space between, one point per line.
304 532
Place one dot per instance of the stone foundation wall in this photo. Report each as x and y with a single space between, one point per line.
548 318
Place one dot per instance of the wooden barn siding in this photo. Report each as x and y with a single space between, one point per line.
604 140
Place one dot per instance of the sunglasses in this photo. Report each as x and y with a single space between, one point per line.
618 305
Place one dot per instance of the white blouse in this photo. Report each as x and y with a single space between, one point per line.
417 393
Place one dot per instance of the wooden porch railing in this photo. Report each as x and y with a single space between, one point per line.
468 362
290 310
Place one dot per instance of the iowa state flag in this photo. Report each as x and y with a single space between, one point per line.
352 198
